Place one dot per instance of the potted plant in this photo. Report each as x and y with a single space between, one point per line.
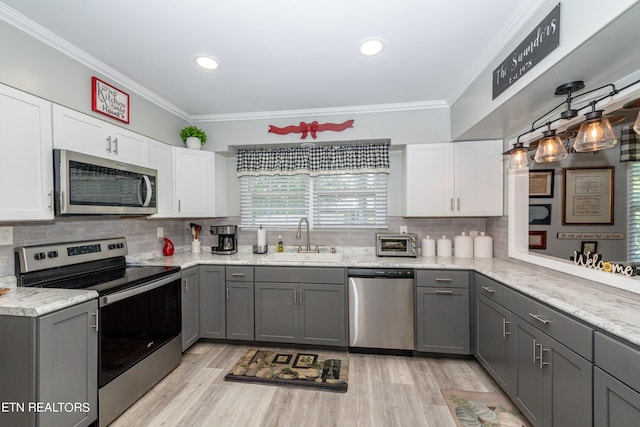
193 136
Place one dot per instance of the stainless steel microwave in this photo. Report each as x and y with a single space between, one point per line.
89 185
397 244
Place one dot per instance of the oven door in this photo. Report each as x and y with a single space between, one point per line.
135 322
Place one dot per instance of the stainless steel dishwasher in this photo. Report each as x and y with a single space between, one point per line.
381 308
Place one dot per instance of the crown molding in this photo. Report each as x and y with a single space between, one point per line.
332 111
496 46
37 31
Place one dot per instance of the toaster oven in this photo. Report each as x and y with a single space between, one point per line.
397 244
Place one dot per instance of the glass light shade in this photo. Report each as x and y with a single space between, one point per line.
595 134
636 125
550 148
519 159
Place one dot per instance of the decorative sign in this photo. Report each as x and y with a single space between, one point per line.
538 44
595 261
108 100
591 235
312 128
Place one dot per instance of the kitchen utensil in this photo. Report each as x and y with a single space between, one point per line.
168 248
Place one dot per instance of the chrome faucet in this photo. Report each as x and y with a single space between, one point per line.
299 235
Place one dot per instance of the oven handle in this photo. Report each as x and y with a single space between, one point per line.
119 296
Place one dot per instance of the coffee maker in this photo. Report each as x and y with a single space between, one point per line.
225 239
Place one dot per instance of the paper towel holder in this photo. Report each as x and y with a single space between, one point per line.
260 249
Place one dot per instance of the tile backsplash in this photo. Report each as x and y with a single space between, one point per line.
141 233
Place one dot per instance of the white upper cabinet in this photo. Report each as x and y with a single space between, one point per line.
83 133
454 179
161 159
26 157
194 174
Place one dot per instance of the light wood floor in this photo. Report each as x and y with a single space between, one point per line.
383 391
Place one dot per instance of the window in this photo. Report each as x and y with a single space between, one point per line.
329 201
633 196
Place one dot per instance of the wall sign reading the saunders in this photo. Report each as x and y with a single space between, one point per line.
538 44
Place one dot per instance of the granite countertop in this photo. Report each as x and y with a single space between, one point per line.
607 309
34 302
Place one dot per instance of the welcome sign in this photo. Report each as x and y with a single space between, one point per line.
538 44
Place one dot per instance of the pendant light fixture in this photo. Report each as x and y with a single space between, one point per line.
518 156
595 133
550 147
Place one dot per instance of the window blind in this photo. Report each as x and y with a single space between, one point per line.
278 200
349 201
633 197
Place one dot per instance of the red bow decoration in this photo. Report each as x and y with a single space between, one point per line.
313 128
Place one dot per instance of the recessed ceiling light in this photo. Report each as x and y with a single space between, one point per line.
207 62
371 47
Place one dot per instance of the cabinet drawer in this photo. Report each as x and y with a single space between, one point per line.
495 291
570 332
239 274
442 278
619 359
300 275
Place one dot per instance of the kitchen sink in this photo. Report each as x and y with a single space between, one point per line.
300 257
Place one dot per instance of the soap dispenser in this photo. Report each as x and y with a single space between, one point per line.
280 244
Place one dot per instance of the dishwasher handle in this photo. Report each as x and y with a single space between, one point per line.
383 273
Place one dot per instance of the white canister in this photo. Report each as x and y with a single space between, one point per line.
463 245
195 246
428 247
444 246
483 246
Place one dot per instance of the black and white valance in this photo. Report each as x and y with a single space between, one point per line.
315 161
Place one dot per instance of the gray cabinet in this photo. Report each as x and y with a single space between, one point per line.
300 305
190 308
211 302
554 383
616 384
442 311
51 359
240 305
539 356
495 345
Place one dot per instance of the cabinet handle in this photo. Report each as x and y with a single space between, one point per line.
439 292
488 289
50 194
115 149
458 204
443 279
301 292
542 362
452 204
186 286
539 318
178 205
505 333
238 274
535 354
227 294
108 144
95 326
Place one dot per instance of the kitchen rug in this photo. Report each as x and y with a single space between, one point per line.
471 408
292 369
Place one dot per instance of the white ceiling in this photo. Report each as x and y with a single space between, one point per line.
283 55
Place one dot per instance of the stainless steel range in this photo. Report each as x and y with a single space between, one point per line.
139 316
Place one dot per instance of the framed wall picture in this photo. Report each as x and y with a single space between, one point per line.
587 195
541 183
108 100
537 239
540 214
588 247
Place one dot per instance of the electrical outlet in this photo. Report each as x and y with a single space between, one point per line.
6 235
160 232
403 229
473 233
